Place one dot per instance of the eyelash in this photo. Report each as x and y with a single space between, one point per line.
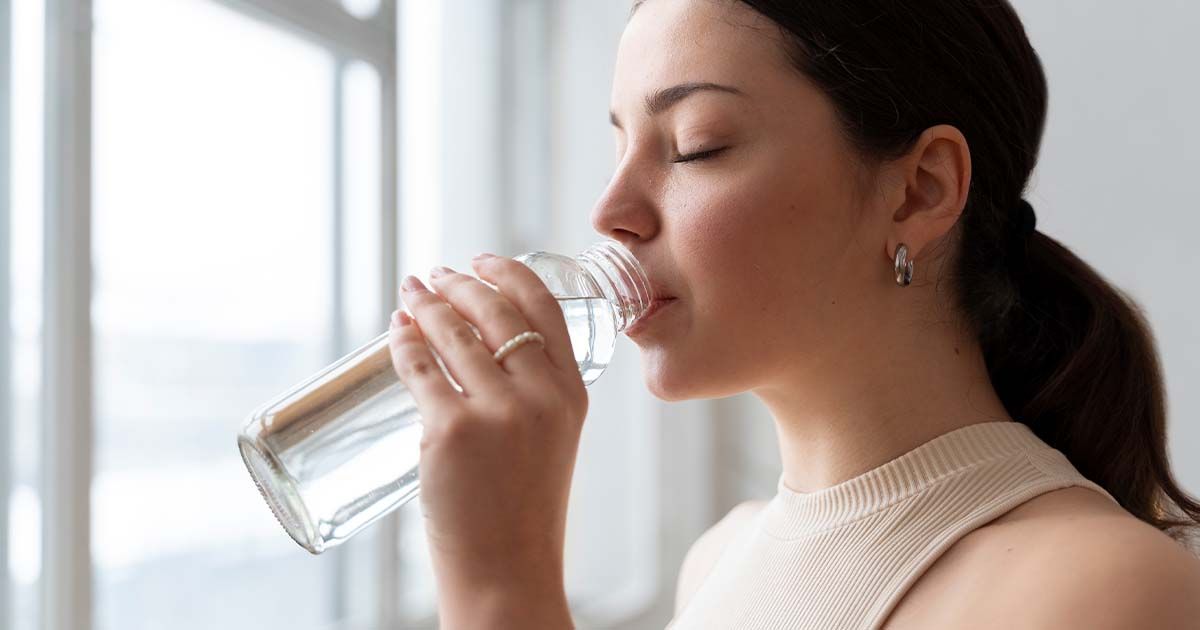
696 157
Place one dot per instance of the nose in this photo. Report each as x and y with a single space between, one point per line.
627 211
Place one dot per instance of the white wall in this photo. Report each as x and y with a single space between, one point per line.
1117 173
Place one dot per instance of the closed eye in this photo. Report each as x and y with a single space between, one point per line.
696 157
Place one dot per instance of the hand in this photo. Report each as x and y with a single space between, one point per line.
497 458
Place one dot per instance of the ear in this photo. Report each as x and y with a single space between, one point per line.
934 179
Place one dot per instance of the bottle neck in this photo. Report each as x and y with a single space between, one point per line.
620 278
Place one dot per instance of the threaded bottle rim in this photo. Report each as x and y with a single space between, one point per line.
622 279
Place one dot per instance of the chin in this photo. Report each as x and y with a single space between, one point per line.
672 381
665 395
665 382
653 373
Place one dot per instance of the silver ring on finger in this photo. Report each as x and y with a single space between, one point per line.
510 346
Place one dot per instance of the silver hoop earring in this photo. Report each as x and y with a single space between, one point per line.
904 267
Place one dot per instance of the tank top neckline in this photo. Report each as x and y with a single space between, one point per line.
791 514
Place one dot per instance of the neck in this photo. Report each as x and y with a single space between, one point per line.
848 417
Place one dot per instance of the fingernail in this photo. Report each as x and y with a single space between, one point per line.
412 283
483 256
403 319
438 272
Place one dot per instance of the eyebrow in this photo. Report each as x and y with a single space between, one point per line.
666 98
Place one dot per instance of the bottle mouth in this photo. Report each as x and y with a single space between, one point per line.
624 280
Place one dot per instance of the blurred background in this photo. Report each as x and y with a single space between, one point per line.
203 202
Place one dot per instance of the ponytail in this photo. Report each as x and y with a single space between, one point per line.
1075 360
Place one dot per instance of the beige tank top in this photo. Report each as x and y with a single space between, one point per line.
843 557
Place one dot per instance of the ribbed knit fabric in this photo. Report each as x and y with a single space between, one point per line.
843 557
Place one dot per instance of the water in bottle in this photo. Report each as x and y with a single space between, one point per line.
340 450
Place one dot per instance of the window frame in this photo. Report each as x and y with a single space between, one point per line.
6 397
66 397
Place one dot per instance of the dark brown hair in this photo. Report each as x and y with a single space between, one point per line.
1070 355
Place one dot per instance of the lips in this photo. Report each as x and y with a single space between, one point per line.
659 296
658 292
656 305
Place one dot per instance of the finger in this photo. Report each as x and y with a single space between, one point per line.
529 294
417 367
469 361
497 318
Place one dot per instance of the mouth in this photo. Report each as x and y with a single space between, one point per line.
641 323
659 297
659 293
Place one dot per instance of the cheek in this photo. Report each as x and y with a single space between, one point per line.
738 280
753 246
753 255
743 243
715 252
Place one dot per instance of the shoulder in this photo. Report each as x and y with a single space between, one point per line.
1108 571
1072 558
704 553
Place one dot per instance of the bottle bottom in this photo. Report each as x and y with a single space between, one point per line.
280 494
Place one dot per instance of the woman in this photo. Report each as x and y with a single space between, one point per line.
827 196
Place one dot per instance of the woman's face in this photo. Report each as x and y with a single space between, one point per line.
763 242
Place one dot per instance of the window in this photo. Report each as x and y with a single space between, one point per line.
238 216
213 201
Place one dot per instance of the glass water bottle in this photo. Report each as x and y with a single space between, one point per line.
340 450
